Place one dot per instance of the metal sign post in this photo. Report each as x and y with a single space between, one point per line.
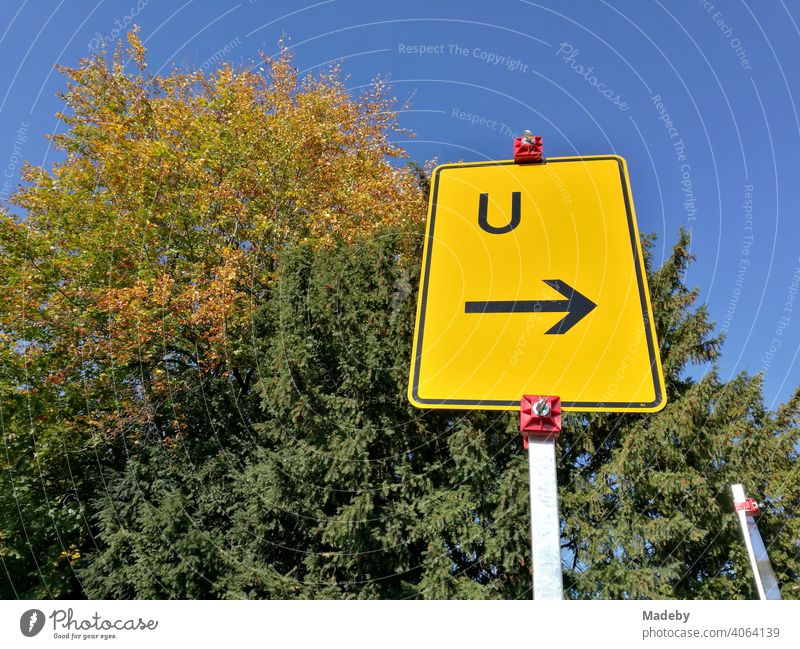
747 508
540 423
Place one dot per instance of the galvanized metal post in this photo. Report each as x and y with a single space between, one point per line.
766 584
545 528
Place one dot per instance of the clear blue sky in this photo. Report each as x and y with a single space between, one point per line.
475 72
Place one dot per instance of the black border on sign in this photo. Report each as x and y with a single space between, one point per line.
637 263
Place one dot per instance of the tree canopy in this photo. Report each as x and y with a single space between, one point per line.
205 338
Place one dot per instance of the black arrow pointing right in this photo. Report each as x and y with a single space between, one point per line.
576 306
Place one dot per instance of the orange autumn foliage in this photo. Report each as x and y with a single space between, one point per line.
150 245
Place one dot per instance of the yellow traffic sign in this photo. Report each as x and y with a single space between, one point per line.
533 283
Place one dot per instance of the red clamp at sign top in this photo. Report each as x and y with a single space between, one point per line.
528 148
539 415
749 505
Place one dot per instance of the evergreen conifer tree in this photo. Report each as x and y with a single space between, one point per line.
341 489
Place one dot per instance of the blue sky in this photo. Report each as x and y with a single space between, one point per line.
702 101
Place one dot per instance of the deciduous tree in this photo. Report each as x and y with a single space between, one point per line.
131 268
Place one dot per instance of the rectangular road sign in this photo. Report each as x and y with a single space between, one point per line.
533 283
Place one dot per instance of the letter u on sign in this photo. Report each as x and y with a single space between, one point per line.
483 217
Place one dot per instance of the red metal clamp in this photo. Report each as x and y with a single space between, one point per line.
749 505
528 148
539 415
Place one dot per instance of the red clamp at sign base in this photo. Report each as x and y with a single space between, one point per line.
749 505
539 415
528 148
